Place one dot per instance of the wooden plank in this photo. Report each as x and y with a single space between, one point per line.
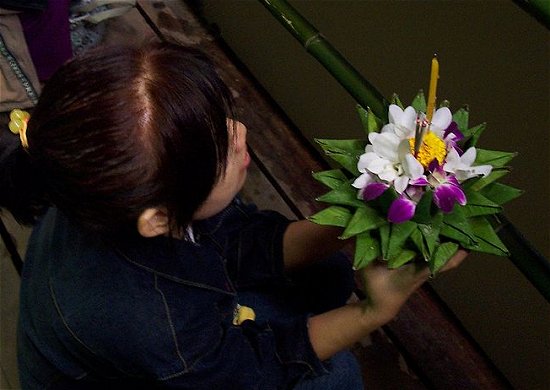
257 189
431 336
9 300
129 28
428 334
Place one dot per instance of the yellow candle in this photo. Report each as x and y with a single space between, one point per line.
434 75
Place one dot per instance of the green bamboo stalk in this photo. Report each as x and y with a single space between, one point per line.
539 9
534 266
315 44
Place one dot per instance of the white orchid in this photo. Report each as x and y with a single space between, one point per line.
401 122
441 120
461 166
387 159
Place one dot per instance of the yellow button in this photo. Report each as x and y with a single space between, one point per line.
243 313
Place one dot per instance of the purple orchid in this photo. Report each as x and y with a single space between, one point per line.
403 208
461 166
447 190
452 135
374 190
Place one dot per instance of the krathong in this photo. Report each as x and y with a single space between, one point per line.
418 187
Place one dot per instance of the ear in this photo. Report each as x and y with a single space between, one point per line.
153 222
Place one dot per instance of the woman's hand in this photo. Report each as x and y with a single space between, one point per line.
388 289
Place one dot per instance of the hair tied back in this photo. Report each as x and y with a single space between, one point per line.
18 125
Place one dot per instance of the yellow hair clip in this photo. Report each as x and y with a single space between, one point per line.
18 125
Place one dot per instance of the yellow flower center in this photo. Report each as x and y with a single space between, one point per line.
432 148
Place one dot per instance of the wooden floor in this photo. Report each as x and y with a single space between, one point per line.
9 303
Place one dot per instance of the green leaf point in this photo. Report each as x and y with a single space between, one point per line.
419 102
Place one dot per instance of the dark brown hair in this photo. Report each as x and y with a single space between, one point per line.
121 129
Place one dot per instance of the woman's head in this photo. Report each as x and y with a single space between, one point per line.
121 130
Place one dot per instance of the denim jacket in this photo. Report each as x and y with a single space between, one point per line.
157 312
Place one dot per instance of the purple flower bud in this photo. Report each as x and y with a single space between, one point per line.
374 190
446 195
401 210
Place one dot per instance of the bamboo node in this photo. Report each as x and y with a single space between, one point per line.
313 39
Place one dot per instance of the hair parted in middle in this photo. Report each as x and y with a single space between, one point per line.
122 129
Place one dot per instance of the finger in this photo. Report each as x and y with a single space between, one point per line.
456 260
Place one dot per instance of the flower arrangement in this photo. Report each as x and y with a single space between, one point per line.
418 187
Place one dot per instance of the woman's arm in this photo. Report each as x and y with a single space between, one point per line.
305 242
386 290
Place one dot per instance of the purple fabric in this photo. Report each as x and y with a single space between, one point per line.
48 37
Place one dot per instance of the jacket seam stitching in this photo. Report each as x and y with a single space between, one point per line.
171 325
66 325
173 278
74 335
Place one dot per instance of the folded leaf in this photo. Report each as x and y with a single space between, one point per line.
487 239
402 258
369 121
494 157
386 199
419 102
365 218
347 161
399 234
395 100
457 235
479 205
500 193
364 117
384 239
332 216
456 226
345 195
422 213
461 118
478 183
353 147
418 240
374 124
471 136
443 254
344 152
431 231
367 249
332 179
